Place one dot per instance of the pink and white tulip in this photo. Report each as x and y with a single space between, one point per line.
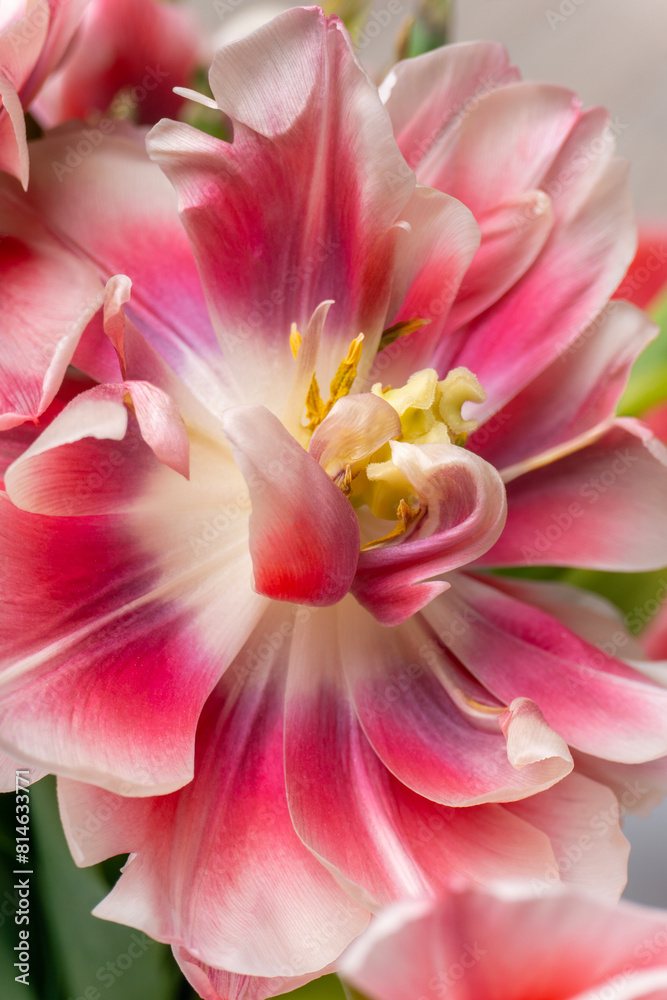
34 37
249 619
506 944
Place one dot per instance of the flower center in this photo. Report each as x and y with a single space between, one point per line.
350 437
430 413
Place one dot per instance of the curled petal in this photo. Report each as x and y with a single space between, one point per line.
44 478
356 427
434 728
217 984
168 304
466 512
529 738
304 535
433 258
563 674
31 47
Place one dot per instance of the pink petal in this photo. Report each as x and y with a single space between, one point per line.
433 257
17 774
18 439
655 639
149 48
513 235
87 636
64 18
418 711
582 262
355 428
638 788
140 362
73 191
588 380
21 42
46 300
216 984
568 512
13 141
47 478
120 616
319 139
429 99
465 514
582 820
304 534
507 944
223 874
429 96
381 840
30 48
595 702
590 616
518 129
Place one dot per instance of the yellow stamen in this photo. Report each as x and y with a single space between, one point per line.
344 378
295 340
479 707
342 382
392 333
344 480
315 410
406 516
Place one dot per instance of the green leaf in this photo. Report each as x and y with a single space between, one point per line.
640 596
87 957
430 28
325 988
648 380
